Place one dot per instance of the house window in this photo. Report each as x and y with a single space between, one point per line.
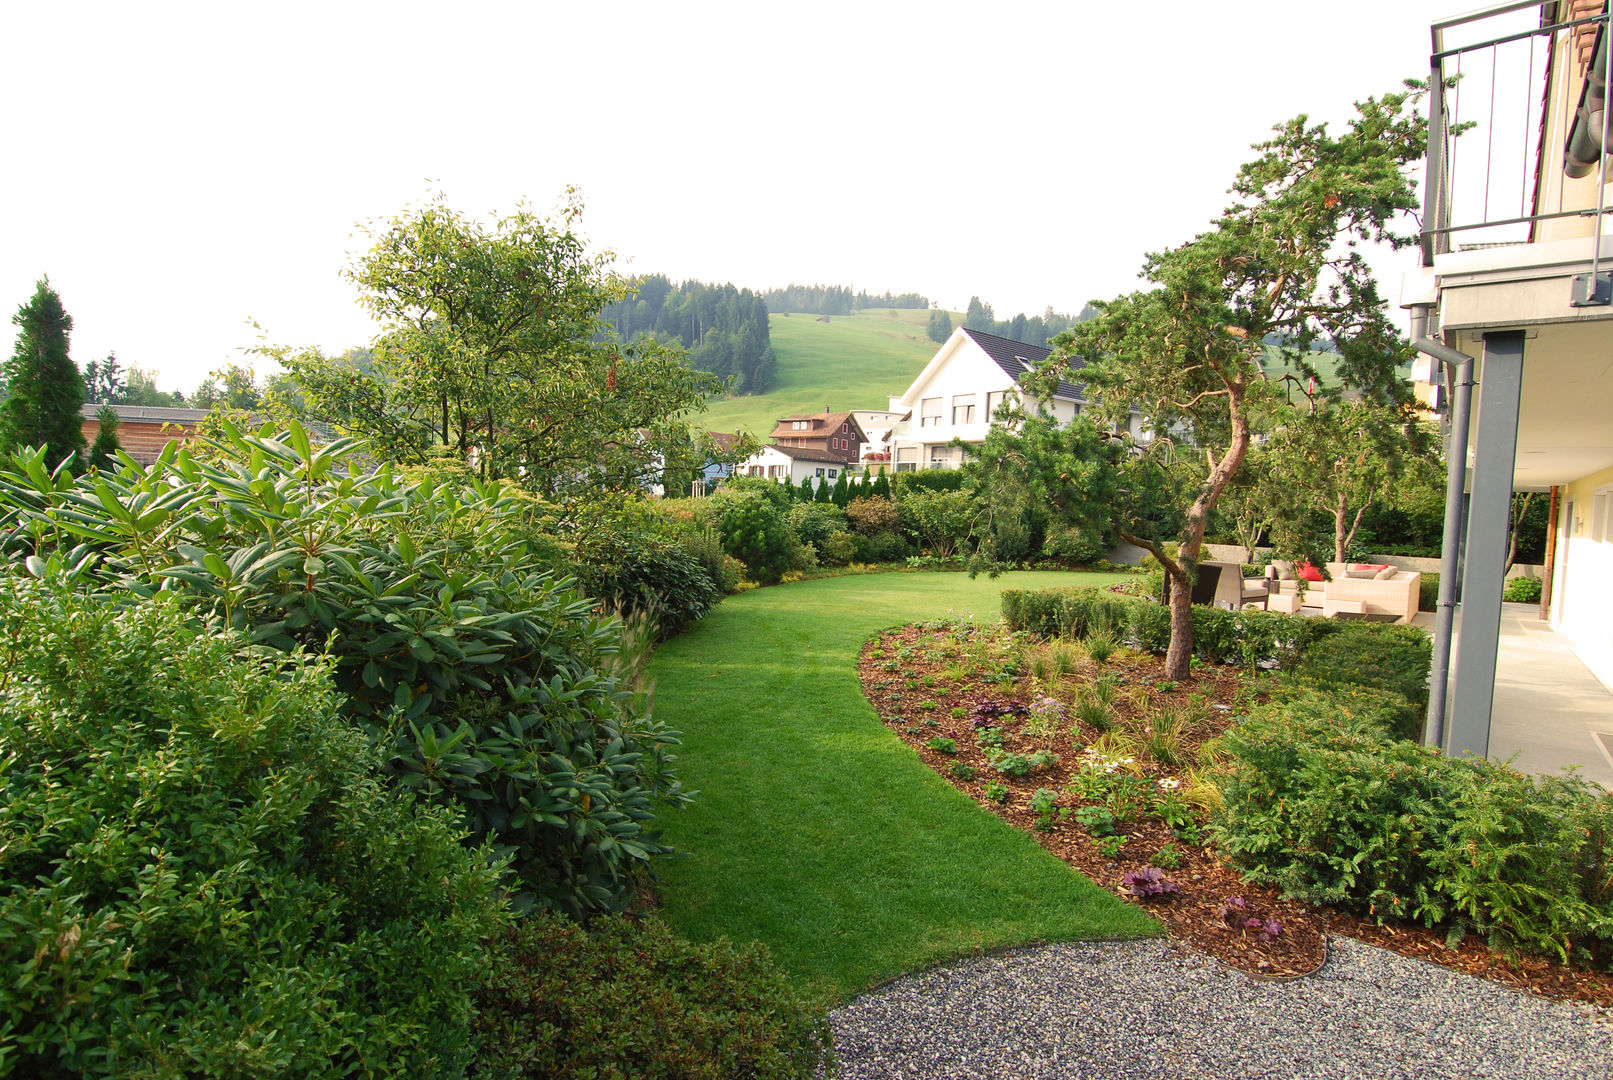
930 412
963 409
775 471
820 472
833 473
845 428
994 401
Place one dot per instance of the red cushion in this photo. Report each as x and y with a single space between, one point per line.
1374 567
1307 571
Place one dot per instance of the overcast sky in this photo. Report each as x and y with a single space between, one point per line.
180 169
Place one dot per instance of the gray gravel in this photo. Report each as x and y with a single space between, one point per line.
1147 1009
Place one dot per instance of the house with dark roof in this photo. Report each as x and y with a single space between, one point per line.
961 389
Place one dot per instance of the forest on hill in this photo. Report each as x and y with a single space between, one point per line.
723 327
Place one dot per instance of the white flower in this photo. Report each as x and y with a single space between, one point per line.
1170 783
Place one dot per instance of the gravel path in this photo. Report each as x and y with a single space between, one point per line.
1137 1009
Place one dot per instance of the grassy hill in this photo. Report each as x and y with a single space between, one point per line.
851 362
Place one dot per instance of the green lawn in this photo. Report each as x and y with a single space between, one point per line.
850 362
816 830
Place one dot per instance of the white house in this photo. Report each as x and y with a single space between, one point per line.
793 464
878 424
956 394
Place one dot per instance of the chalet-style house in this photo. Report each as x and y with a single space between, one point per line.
1514 289
816 445
837 434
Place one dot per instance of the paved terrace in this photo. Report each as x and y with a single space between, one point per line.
1550 711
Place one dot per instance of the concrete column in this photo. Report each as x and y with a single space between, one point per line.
1495 451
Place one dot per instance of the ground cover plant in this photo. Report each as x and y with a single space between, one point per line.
1145 789
815 830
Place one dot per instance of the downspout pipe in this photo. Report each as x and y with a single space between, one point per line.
1455 484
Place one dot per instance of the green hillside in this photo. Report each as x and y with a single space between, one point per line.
851 362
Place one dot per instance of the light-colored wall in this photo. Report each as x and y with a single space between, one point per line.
1582 580
1562 100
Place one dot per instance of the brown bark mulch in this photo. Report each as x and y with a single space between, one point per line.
926 683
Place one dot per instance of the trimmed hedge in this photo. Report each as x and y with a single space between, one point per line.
201 875
1321 802
626 1000
1223 637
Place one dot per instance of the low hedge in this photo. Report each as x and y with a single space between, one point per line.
626 1000
1219 636
1318 800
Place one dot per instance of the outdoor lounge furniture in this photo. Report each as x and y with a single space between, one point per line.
1233 590
1394 596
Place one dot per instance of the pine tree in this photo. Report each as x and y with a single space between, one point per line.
822 492
841 494
882 485
106 439
805 494
46 390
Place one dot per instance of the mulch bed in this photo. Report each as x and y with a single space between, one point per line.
926 681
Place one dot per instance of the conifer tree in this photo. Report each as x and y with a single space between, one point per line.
45 388
882 485
821 494
805 494
106 439
841 494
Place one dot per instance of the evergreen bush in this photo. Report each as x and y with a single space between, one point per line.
202 876
474 668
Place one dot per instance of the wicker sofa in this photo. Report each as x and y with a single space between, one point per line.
1345 596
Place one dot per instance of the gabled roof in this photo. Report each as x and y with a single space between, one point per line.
1019 358
807 453
723 440
824 422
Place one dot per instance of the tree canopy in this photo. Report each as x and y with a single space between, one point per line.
1282 263
488 353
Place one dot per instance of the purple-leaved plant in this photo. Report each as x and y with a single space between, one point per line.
1149 883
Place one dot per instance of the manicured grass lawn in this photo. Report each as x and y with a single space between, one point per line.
850 362
816 830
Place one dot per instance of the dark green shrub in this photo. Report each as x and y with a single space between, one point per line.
1526 860
1319 800
881 547
1078 545
1383 710
927 480
202 876
635 572
704 546
1150 626
628 1001
1523 590
1330 810
838 550
756 533
815 522
1394 658
1428 593
472 666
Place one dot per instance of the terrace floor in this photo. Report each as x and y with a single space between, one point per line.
1550 711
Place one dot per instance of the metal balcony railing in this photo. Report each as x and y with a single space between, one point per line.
1495 167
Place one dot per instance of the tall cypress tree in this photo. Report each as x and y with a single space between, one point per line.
45 388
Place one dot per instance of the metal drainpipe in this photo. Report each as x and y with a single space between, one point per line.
1455 484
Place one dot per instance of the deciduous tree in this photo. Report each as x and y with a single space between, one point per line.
488 351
